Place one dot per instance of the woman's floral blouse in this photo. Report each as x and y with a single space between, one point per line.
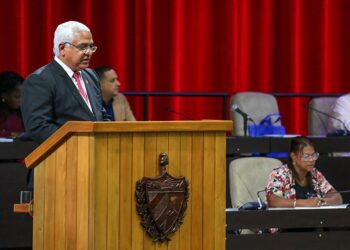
281 183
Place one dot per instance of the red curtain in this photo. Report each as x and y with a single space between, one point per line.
293 46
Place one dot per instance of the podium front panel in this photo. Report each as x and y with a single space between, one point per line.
85 190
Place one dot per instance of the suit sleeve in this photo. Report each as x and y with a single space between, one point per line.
129 116
37 107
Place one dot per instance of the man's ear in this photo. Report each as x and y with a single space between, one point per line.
61 49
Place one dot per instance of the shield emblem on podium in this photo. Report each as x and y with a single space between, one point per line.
161 202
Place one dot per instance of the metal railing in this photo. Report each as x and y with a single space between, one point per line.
146 96
224 96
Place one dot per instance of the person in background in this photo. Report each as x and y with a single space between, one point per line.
11 123
339 119
300 184
65 89
115 103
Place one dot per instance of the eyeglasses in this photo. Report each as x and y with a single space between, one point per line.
312 157
84 47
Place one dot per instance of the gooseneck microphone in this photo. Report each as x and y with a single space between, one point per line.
246 117
346 191
344 132
170 110
253 205
235 108
323 195
262 205
105 116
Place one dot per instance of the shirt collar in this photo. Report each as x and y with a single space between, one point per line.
68 70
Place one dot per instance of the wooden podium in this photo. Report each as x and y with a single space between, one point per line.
86 174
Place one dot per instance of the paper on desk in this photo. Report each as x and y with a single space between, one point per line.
326 207
283 136
346 205
6 139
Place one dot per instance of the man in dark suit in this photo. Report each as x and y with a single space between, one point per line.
65 89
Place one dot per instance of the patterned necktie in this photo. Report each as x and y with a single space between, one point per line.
76 76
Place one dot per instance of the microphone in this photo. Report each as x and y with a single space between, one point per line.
235 108
262 205
170 110
323 195
246 117
310 195
105 116
259 205
343 132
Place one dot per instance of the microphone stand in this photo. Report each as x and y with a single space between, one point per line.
344 132
170 110
245 124
245 116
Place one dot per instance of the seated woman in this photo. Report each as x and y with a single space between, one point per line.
11 123
300 184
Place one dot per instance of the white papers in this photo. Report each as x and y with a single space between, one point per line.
326 207
290 135
341 206
231 209
6 139
283 136
273 135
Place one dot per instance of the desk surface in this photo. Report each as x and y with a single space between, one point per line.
288 218
241 144
15 229
16 150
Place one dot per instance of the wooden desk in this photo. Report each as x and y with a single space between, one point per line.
10 151
239 144
318 219
15 229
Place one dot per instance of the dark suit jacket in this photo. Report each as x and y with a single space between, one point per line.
50 99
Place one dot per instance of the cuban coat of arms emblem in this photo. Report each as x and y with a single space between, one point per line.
161 202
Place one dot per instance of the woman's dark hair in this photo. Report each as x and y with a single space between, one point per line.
9 80
296 146
101 70
299 143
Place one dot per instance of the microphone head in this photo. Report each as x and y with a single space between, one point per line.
105 116
262 205
234 107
